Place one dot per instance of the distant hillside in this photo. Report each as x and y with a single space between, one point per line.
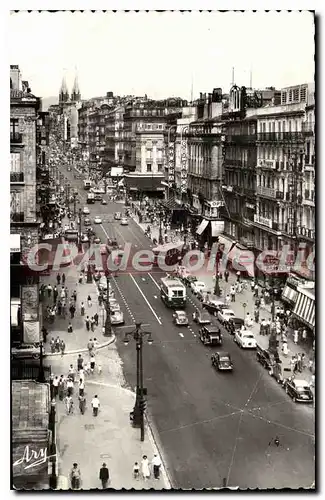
48 101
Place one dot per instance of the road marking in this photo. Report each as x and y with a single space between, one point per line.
133 326
145 298
106 234
154 281
181 335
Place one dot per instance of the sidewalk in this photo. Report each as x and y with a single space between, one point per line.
246 297
80 336
171 235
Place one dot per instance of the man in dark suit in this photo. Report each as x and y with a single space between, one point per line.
104 476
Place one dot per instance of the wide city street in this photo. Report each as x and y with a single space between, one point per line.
211 429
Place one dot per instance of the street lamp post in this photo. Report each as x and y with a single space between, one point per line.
79 235
160 238
108 323
137 415
53 477
216 285
75 204
41 375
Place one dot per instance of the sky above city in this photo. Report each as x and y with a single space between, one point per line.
160 54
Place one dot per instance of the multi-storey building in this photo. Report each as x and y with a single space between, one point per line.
284 183
24 224
144 125
114 131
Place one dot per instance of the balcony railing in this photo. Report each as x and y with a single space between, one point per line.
308 127
240 139
16 137
16 177
309 160
306 233
17 217
266 191
280 136
264 221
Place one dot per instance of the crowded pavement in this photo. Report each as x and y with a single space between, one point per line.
244 427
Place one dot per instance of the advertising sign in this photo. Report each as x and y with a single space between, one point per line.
171 164
184 166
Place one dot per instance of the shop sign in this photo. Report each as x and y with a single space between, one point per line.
171 164
184 163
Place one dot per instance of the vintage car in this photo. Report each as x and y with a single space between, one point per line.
117 318
97 240
234 324
245 339
222 361
124 221
104 202
214 305
202 317
84 238
265 357
299 390
189 279
224 315
26 351
85 211
117 216
197 286
210 335
180 318
97 220
87 221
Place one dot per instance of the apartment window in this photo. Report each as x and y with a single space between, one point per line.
149 167
303 94
296 95
160 167
14 162
148 126
14 126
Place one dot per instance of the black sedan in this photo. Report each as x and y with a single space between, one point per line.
235 324
299 390
222 361
189 279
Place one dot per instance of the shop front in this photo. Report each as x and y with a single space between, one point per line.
304 310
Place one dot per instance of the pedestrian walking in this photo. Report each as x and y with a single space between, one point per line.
57 344
62 348
63 279
96 318
70 387
72 373
49 290
262 302
81 387
87 321
295 336
299 363
80 278
74 296
69 404
72 310
92 362
82 309
145 467
89 301
233 294
70 329
55 384
90 346
104 475
100 299
256 290
304 335
227 299
92 324
55 294
58 279
95 405
59 307
62 294
256 315
96 344
136 470
238 274
61 388
226 275
156 463
80 362
52 345
75 477
82 404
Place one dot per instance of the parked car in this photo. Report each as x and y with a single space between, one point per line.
26 351
85 211
97 240
202 317
114 305
124 221
222 361
97 220
104 202
117 216
245 339
299 390
210 335
196 286
265 357
117 318
214 304
235 324
189 279
224 315
204 293
84 238
87 222
180 318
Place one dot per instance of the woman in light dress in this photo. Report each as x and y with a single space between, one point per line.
145 468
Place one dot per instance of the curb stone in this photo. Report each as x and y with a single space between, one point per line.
77 351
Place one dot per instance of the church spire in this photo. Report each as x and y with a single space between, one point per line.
64 94
76 96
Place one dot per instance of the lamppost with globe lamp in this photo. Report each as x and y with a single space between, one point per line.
137 415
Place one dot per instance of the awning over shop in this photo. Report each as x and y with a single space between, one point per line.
144 183
242 258
305 307
202 227
289 294
171 204
14 243
227 242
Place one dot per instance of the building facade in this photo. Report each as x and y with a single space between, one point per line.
24 223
